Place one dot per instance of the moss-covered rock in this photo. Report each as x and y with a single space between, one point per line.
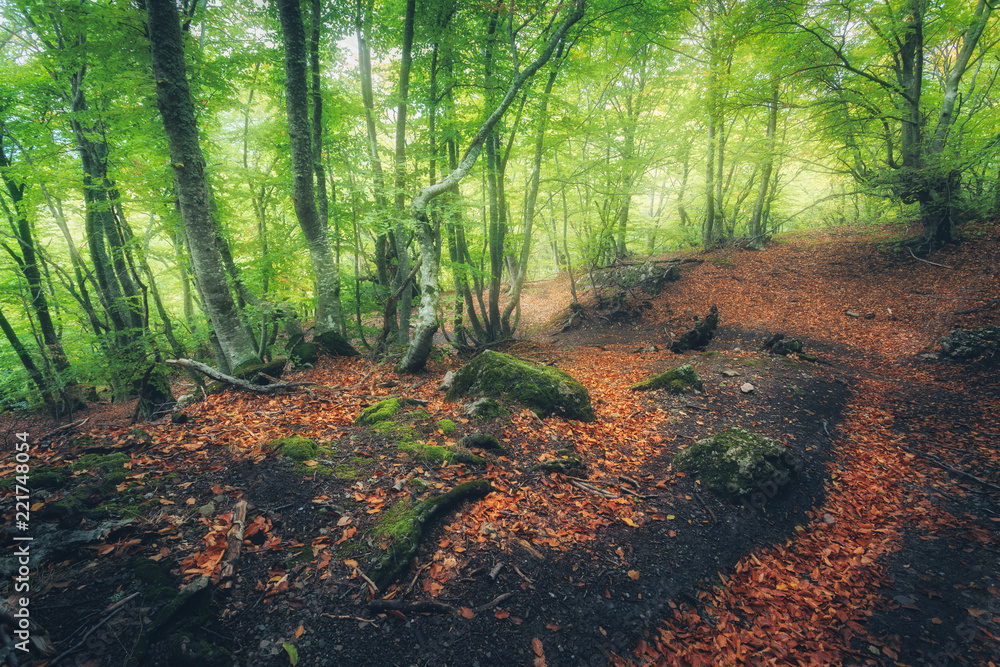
304 354
964 344
295 447
447 426
334 344
677 381
734 463
254 370
47 477
699 335
545 390
381 411
481 441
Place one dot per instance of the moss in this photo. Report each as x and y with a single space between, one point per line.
101 462
335 344
545 390
345 471
438 454
735 462
481 441
295 447
447 426
403 525
380 412
487 408
48 477
676 381
304 354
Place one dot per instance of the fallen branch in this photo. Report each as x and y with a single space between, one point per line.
422 607
114 610
234 542
592 489
64 427
492 603
927 261
350 618
941 464
229 379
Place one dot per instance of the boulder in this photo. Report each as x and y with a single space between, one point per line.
677 381
545 390
735 463
964 344
698 336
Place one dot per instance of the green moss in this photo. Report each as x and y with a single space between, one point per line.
304 354
100 462
481 441
734 463
380 412
295 447
447 426
438 454
676 381
151 572
543 389
47 477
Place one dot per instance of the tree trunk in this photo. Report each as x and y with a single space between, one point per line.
325 270
756 230
174 101
419 349
34 372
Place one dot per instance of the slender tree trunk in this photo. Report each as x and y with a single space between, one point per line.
420 346
532 199
756 230
174 101
400 231
325 270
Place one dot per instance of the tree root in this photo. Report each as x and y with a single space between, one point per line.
387 568
236 382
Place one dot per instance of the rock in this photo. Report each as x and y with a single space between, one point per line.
208 509
730 373
677 381
486 408
334 344
869 316
481 441
178 417
963 344
446 381
735 462
851 313
545 390
304 354
700 335
186 400
747 388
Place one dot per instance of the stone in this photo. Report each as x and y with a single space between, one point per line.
735 463
543 389
730 373
747 388
677 381
486 408
334 344
446 381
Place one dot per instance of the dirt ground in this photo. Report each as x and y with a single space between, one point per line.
882 549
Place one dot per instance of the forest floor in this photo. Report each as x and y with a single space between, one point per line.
883 549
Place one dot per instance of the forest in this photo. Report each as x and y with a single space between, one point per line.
205 182
592 332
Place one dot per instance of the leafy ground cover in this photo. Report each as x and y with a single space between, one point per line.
880 549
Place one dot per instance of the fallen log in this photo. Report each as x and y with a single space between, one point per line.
234 542
236 382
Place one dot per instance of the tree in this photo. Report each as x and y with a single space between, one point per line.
174 101
427 322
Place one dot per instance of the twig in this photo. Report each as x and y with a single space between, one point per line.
928 262
234 541
349 618
496 570
370 582
492 603
64 427
707 508
590 489
522 574
117 608
421 607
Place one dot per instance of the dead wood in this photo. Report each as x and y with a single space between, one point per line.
61 429
234 542
421 607
236 382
